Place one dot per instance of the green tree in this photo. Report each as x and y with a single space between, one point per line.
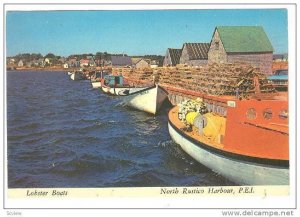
50 55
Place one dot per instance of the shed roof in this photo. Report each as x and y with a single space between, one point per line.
244 39
134 60
197 51
137 60
120 60
175 55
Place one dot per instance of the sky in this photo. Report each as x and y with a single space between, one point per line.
131 32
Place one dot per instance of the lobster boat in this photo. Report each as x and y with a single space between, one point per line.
149 99
246 141
116 85
96 83
77 75
97 77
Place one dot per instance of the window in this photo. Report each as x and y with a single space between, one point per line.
283 114
267 113
251 113
217 45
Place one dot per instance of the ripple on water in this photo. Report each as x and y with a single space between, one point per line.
60 133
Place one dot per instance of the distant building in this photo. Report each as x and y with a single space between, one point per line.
66 66
11 61
98 62
62 60
172 57
154 64
41 62
140 63
194 54
35 63
248 44
84 62
47 61
280 57
90 57
92 62
121 61
20 63
29 64
106 63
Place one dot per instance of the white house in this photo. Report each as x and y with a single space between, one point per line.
20 63
66 66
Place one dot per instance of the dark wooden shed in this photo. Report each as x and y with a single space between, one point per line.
194 54
172 57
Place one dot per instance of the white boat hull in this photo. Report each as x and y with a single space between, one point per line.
238 171
76 76
148 100
105 89
96 84
123 91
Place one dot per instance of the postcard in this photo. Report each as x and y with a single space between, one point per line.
149 106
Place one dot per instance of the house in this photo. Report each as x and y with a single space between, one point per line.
172 57
194 54
11 61
73 62
84 62
98 62
35 63
247 44
120 61
41 62
92 62
20 63
47 61
62 60
66 66
140 63
29 64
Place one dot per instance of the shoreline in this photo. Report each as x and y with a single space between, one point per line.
38 69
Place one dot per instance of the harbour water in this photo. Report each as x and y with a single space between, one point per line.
63 133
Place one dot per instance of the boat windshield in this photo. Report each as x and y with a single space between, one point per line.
281 72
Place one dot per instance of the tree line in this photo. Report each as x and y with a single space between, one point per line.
27 57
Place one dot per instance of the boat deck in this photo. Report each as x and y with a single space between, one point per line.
173 117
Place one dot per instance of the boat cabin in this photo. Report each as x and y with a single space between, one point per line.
114 81
280 79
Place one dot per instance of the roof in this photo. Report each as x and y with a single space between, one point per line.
120 60
244 39
84 61
135 59
197 51
175 55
